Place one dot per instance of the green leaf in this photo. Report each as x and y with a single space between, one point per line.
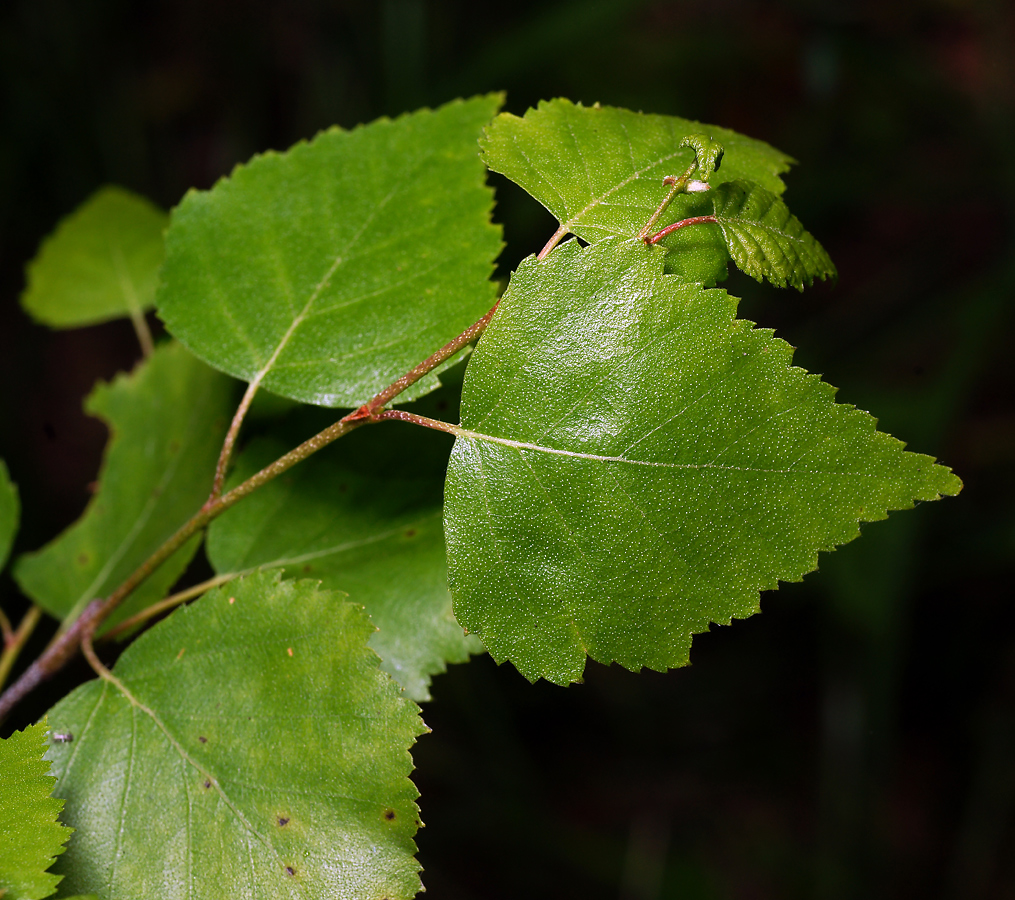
635 463
10 512
326 272
31 837
246 746
377 535
765 239
166 420
600 170
101 263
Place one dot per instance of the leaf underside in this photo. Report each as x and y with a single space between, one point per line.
375 535
637 463
10 511
166 420
31 836
600 171
101 263
326 272
249 747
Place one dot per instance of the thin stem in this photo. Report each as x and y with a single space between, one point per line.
14 644
368 410
169 603
677 185
401 415
230 440
143 332
676 226
555 239
6 629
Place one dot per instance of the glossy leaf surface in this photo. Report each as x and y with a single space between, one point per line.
600 170
247 747
375 534
326 272
31 836
636 463
10 511
765 239
101 263
166 420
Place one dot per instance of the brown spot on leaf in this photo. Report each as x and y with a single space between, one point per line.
307 568
202 739
232 600
82 559
289 650
178 655
207 784
389 814
411 532
290 870
283 821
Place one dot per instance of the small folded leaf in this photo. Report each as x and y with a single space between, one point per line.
10 512
765 239
326 272
600 170
635 463
375 535
31 836
167 420
101 263
247 746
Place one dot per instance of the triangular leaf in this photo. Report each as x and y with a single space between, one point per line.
375 535
166 420
600 170
101 263
31 836
635 463
10 512
247 746
765 239
326 272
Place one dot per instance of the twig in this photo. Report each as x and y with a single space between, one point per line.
14 644
230 438
676 226
555 239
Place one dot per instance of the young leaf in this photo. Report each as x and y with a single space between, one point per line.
326 272
635 463
375 535
166 420
765 239
247 746
101 263
31 836
10 511
600 170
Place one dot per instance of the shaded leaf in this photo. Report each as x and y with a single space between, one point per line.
31 836
600 170
635 463
10 512
326 272
247 746
377 535
101 263
167 420
765 239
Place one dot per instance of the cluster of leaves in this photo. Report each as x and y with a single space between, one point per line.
632 463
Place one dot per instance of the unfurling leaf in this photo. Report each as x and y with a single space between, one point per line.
101 263
635 463
10 511
376 535
765 239
166 420
247 746
600 170
31 836
326 272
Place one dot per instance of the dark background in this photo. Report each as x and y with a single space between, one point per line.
856 740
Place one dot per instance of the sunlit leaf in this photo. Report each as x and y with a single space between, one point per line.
247 746
377 535
166 420
326 272
635 463
31 836
10 510
101 263
600 170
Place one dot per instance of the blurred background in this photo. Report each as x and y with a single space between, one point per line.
855 740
